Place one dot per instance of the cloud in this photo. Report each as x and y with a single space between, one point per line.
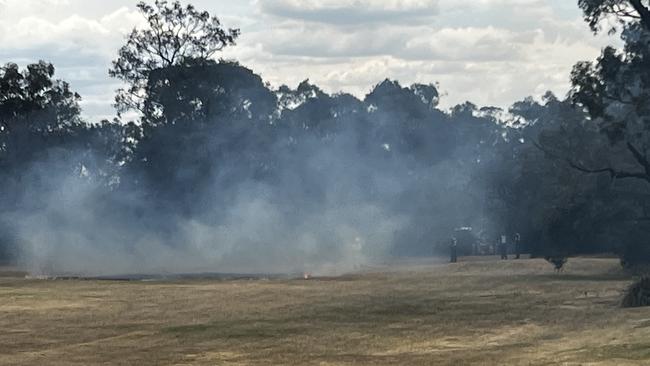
350 12
80 47
74 31
465 44
488 51
413 43
492 52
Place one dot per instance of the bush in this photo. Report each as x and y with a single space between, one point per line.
557 261
638 294
635 256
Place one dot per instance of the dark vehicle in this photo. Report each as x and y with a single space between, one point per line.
468 242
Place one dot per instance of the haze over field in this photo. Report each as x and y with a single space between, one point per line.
222 156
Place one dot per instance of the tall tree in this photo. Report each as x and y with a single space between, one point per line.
33 106
615 89
174 36
38 115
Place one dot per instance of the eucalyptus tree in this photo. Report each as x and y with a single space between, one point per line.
175 35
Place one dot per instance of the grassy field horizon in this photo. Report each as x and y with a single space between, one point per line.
479 311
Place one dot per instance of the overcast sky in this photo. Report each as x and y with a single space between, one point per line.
491 52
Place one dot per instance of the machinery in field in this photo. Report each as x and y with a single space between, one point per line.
467 241
472 243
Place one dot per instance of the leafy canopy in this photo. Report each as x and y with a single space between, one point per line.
622 12
174 35
614 89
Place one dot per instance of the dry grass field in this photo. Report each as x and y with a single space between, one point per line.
471 313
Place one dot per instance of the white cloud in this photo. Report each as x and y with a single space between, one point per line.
80 47
487 51
350 12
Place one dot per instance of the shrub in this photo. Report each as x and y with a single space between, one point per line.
557 261
635 256
638 294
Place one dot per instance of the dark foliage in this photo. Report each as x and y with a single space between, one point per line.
175 35
635 256
558 262
638 294
624 11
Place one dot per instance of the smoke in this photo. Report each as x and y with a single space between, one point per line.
327 204
72 226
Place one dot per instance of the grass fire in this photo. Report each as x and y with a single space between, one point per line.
325 182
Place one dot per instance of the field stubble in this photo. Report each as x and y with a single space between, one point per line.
483 312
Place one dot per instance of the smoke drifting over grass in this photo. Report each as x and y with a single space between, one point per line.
328 218
329 183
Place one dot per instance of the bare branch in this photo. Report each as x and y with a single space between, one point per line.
643 11
613 173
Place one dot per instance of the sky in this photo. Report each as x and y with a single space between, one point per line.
490 52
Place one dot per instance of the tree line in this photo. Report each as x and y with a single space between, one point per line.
569 174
